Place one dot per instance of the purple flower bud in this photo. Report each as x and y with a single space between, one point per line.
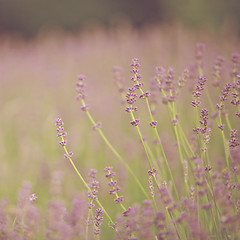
131 109
135 122
63 142
91 205
99 211
92 173
221 127
135 71
131 100
33 197
85 107
150 172
153 124
112 183
81 77
108 169
110 175
60 129
140 85
114 190
80 84
220 106
59 122
195 103
119 199
174 122
98 125
132 89
97 231
126 213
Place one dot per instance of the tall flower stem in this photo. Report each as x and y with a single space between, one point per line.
136 77
117 155
223 139
68 155
81 96
86 185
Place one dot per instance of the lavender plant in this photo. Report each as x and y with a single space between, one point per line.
206 205
176 178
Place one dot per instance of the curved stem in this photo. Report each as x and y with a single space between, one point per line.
115 152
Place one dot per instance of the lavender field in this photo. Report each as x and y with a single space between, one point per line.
120 134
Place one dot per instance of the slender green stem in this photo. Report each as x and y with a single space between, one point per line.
115 152
228 122
88 218
116 194
223 139
189 152
84 182
147 154
161 146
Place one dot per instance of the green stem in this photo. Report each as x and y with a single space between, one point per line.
161 147
115 152
84 182
88 217
223 139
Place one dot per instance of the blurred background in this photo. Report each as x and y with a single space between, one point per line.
28 17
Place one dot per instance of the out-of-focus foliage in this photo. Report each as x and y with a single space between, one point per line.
30 16
214 14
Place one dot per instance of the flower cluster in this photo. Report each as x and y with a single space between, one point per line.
223 192
118 78
203 122
170 82
217 71
98 220
166 198
153 124
235 64
150 185
113 184
129 109
131 95
94 186
33 197
98 125
199 51
142 222
234 142
224 94
61 134
167 84
183 78
236 95
199 87
160 77
80 85
119 81
209 205
204 129
80 89
201 182
135 70
135 122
